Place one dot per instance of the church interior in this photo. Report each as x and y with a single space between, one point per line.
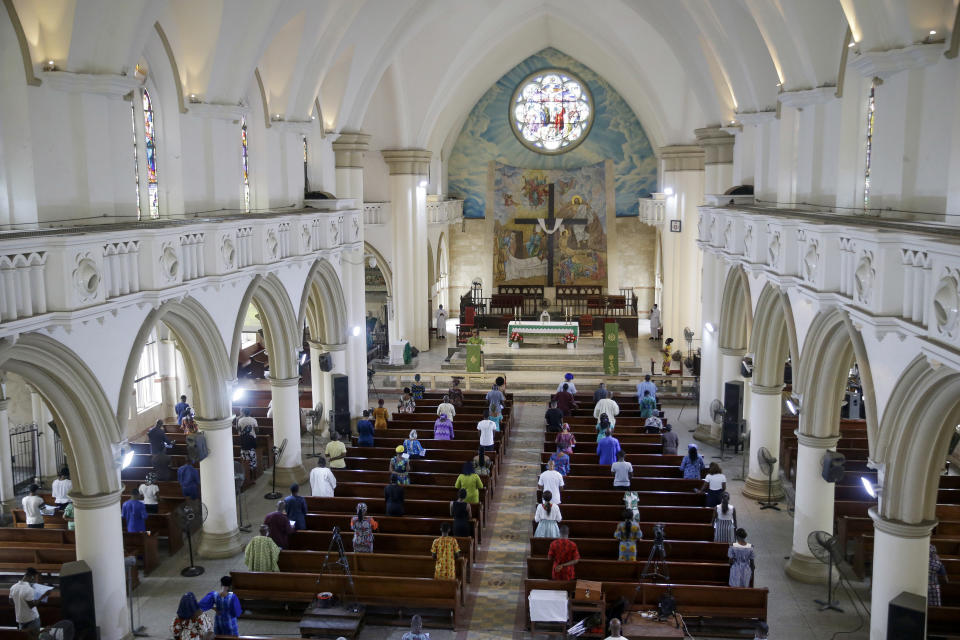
506 318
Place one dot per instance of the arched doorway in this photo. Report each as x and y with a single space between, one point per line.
378 298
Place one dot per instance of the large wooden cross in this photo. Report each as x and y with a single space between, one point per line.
549 222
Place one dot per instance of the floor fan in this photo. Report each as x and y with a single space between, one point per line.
766 461
277 452
789 493
826 549
190 516
133 603
717 412
239 477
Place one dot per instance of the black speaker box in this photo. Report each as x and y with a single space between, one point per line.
696 364
833 469
76 598
325 360
341 424
907 617
731 433
341 398
733 401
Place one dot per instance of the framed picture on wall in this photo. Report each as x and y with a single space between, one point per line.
675 226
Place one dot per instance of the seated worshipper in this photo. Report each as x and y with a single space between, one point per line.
412 445
322 481
296 508
692 465
607 449
416 630
68 516
565 440
262 552
622 471
646 385
393 497
33 507
227 607
600 393
247 420
363 528
445 407
469 480
149 490
669 440
724 520
179 408
627 532
134 513
380 416
935 572
417 388
445 552
60 489
715 484
365 430
550 482
561 462
462 514
190 623
554 418
564 553
158 438
279 525
406 404
495 396
496 416
741 560
547 517
455 393
567 380
443 428
653 424
335 451
487 428
189 478
603 426
615 629
248 446
565 400
481 463
648 406
608 407
400 467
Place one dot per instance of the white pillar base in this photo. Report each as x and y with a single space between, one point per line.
220 538
286 426
764 421
813 508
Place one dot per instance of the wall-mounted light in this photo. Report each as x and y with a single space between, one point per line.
194 98
356 331
873 490
423 183
276 117
709 327
50 66
668 191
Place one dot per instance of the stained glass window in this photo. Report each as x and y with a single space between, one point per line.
871 109
150 145
551 112
246 166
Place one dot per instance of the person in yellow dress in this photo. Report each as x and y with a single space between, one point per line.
667 348
445 552
380 415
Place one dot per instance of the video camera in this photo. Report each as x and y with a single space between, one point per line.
658 534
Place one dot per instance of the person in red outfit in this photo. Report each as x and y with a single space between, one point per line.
564 553
565 400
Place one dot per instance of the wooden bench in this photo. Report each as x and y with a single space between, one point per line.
717 573
674 530
162 524
386 524
608 549
615 497
377 507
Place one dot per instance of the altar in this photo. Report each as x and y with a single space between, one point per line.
538 327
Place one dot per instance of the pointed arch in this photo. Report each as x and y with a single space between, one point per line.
735 311
323 306
280 330
382 264
773 337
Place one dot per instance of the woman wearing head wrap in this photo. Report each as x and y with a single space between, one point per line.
469 480
443 428
363 528
190 623
565 440
603 426
399 467
692 465
568 380
417 388
412 445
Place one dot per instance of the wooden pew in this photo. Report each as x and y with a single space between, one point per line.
694 531
615 497
717 573
377 507
386 524
158 523
608 549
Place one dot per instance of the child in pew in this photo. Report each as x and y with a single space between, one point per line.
741 560
547 517
363 528
445 552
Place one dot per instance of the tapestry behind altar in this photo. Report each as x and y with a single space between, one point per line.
520 249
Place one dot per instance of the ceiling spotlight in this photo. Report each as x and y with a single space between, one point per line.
852 44
668 191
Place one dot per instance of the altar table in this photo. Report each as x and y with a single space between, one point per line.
537 327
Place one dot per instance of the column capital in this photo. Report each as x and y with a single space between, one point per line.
681 157
407 161
732 351
717 145
284 382
348 149
214 424
3 404
326 346
98 501
899 528
816 442
766 391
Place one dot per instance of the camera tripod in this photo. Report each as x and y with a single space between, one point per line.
343 562
656 567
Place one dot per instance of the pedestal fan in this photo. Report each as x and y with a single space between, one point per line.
766 461
277 453
826 549
190 516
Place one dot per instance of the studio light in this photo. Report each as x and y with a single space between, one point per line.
356 330
869 487
127 459
793 405
304 357
709 327
238 393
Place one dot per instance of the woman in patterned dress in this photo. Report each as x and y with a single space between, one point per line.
565 440
227 607
407 405
933 580
399 467
724 520
190 623
443 428
455 393
627 533
692 465
417 388
741 560
445 552
412 445
363 528
561 462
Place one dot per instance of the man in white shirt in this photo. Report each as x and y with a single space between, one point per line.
322 480
247 421
646 385
32 505
609 407
150 491
22 596
61 488
446 408
615 631
622 471
655 323
567 380
487 428
551 480
441 323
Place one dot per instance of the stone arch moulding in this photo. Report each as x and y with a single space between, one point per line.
914 437
204 356
773 337
382 264
280 329
78 403
323 304
736 310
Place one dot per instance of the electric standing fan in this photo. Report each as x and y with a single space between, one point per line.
826 549
766 461
190 516
239 477
789 491
717 412
277 452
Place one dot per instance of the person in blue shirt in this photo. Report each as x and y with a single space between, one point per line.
561 461
296 508
227 605
692 465
134 513
180 407
412 445
365 430
189 478
607 449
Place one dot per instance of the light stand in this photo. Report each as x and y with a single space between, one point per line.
130 564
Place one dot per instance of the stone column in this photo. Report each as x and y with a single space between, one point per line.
900 558
718 158
408 171
167 371
221 538
813 507
356 352
710 383
47 450
7 495
764 421
348 151
319 380
286 426
100 545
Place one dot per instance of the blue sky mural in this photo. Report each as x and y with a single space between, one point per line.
616 135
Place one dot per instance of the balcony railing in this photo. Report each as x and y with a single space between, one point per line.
375 213
653 210
444 211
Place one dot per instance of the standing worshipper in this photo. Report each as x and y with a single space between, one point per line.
417 389
469 480
247 421
603 427
68 516
33 508
442 428
441 323
134 513
406 405
363 528
547 517
561 462
741 556
692 465
227 607
190 623
296 508
365 430
322 481
393 498
22 595
496 416
262 552
627 533
481 463
161 467
495 396
180 407
158 438
648 406
607 449
189 478
609 407
335 451
412 445
600 393
279 525
724 521
445 552
446 407
714 484
455 393
462 514
564 553
655 326
622 471
565 440
553 418
248 445
667 349
669 440
487 428
400 467
646 385
61 489
550 482
565 400
936 571
380 416
567 380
